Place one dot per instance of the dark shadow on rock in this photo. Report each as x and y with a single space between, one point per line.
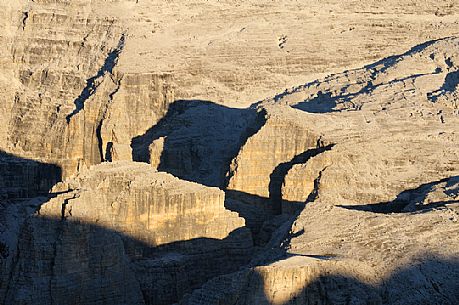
60 260
264 216
428 280
412 200
325 102
25 178
277 177
198 139
450 85
92 83
25 185
258 215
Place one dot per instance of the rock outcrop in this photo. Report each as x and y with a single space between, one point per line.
325 280
125 234
197 140
255 172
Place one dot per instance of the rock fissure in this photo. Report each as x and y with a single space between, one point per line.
25 16
93 83
315 192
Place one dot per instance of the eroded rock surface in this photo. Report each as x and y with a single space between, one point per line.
346 185
380 207
61 82
125 234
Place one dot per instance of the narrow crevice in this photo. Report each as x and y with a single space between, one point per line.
108 152
93 83
64 206
315 192
25 17
100 142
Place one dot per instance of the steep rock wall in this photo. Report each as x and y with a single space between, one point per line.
256 173
124 234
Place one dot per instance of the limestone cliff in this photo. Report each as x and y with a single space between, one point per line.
64 86
340 190
125 234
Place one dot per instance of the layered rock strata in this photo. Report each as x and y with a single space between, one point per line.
22 178
363 163
256 173
124 234
64 85
382 202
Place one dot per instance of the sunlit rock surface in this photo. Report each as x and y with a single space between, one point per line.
125 234
379 207
340 189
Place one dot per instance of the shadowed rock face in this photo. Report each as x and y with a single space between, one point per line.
21 178
197 140
125 234
321 280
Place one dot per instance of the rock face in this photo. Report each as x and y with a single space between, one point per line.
380 206
343 190
246 52
20 178
258 170
69 69
321 280
124 234
67 90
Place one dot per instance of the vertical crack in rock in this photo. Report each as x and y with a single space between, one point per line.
315 192
92 83
104 153
64 206
25 16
